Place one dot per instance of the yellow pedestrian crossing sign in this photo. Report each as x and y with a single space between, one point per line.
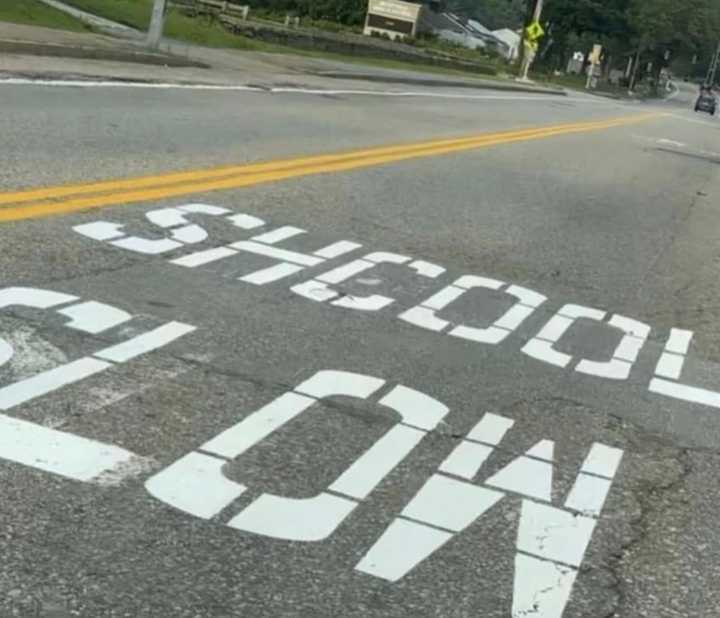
534 32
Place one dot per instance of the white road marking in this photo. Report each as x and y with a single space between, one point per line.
90 84
58 452
48 381
466 460
541 589
201 258
403 546
427 269
670 142
246 222
553 534
6 352
588 495
196 485
146 246
377 462
525 476
311 519
415 408
670 367
236 440
342 273
278 235
94 318
48 449
317 517
272 274
283 255
101 230
551 541
327 383
602 461
691 394
337 249
205 209
491 429
147 342
32 297
430 504
425 315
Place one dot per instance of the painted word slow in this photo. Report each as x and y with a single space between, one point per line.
551 540
177 233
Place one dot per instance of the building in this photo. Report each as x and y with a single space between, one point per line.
459 30
398 19
511 41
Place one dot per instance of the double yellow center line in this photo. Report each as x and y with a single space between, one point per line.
34 203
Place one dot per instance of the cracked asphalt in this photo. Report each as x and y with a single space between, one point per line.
622 219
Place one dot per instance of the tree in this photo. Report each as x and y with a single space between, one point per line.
682 29
493 14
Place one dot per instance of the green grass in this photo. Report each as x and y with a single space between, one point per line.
204 31
134 13
208 32
383 63
34 13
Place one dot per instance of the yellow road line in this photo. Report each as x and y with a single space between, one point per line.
64 199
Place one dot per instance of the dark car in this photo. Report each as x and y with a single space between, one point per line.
706 103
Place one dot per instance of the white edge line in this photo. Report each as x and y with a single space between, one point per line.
63 83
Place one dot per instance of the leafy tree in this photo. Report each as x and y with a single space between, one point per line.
493 14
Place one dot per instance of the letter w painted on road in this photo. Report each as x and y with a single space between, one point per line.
551 542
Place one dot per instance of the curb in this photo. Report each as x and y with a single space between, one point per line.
440 83
32 48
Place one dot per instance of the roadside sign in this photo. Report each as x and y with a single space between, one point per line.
534 32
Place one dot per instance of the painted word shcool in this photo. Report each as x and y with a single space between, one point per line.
178 234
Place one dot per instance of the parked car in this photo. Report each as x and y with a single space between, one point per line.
706 102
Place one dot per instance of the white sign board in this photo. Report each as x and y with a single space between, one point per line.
392 17
395 9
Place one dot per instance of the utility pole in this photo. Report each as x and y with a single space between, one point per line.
712 71
636 66
538 10
157 24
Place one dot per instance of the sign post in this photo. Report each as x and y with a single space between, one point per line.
594 61
531 41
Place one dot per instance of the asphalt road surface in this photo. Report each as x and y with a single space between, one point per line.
335 354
